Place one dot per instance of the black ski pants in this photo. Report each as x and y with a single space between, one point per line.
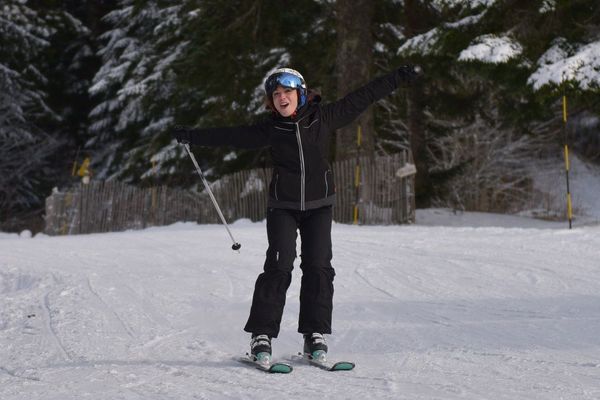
316 291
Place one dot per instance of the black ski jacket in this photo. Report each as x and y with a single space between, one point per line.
299 145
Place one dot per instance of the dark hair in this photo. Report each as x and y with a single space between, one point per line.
269 103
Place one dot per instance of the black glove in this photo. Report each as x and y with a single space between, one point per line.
408 74
181 134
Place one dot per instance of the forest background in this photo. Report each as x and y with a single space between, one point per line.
107 80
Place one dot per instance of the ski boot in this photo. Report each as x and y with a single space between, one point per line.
260 349
315 346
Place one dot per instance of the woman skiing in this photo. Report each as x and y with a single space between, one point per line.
301 196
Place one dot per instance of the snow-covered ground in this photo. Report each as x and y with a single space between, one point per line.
584 183
468 306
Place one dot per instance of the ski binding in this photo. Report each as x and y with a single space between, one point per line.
263 362
319 359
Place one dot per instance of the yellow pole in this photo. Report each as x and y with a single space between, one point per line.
567 164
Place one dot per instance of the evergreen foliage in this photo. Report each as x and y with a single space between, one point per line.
26 147
111 78
483 61
133 87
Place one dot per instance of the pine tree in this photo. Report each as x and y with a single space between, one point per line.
132 88
71 62
354 60
480 58
234 45
25 146
495 71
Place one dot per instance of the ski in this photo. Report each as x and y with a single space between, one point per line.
319 360
265 364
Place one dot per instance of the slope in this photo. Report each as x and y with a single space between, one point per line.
427 312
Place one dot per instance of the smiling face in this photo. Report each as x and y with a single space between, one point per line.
285 100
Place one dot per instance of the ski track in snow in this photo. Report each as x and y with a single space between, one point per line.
425 312
50 329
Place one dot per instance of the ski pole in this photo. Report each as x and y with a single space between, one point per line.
236 245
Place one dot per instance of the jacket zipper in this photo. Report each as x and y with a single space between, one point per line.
326 185
276 181
302 172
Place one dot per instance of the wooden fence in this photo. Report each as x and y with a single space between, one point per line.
104 206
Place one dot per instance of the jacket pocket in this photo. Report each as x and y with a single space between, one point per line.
285 186
273 187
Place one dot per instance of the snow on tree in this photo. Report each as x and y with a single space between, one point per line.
423 44
491 49
491 67
25 147
133 87
563 61
480 98
23 36
470 4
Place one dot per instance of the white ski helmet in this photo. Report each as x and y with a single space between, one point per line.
287 78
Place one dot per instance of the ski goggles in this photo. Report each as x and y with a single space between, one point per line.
284 79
